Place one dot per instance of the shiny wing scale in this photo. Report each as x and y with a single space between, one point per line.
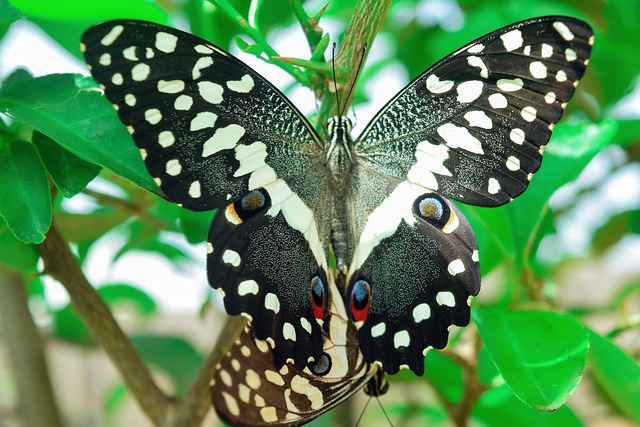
472 126
414 271
210 129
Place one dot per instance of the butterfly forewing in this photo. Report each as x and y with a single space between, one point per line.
472 126
212 132
209 128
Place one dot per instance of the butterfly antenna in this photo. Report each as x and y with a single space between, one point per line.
335 81
363 411
364 51
384 412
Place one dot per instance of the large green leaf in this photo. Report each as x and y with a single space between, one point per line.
70 109
617 374
69 173
25 200
14 253
540 354
8 15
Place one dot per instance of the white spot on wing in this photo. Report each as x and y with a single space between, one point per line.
570 54
223 139
117 79
517 136
166 139
305 324
378 330
166 42
478 119
435 85
512 40
550 97
456 267
469 91
498 100
538 70
130 53
288 331
494 186
231 257
210 92
401 339
244 85
476 61
112 35
201 64
140 72
153 116
510 85
195 190
232 404
105 59
183 103
446 298
546 51
421 312
170 86
563 30
561 76
529 113
173 167
203 120
513 163
271 302
459 137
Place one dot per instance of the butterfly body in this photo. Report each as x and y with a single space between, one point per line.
214 134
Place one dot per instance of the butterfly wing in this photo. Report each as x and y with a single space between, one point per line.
472 127
411 278
248 391
213 133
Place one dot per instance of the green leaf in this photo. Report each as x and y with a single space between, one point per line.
117 294
8 15
498 407
69 172
445 375
86 228
617 374
71 110
16 254
541 355
195 225
172 355
68 325
25 200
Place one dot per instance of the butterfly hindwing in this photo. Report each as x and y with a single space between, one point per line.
267 270
210 129
248 391
413 273
472 126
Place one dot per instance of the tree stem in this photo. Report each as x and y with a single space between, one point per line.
36 399
60 263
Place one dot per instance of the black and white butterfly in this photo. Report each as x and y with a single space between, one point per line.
348 256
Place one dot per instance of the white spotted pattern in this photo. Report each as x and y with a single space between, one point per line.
459 137
529 113
153 116
173 167
421 312
456 267
166 139
538 70
170 86
271 302
201 64
231 257
224 138
512 40
183 103
513 163
248 287
435 85
475 61
498 100
563 30
478 119
130 53
517 136
244 85
469 91
378 330
288 331
494 186
232 403
210 92
401 339
140 72
166 42
510 85
203 120
112 35
446 298
546 51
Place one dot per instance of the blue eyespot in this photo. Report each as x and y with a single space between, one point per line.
322 366
360 299
253 201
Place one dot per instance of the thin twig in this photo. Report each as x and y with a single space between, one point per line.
60 264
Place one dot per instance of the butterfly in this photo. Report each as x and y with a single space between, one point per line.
348 256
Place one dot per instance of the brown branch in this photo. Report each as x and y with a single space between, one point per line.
195 404
24 347
363 27
60 264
